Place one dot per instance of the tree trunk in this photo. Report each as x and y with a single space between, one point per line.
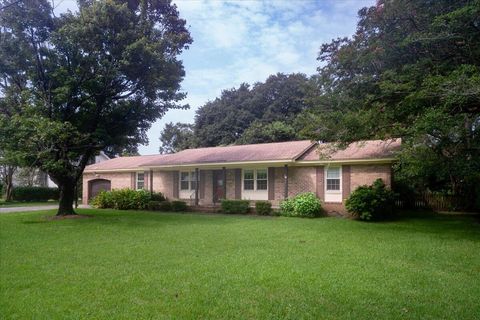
10 170
8 191
67 196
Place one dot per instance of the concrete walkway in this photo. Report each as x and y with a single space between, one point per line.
37 208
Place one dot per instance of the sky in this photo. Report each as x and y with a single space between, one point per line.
246 41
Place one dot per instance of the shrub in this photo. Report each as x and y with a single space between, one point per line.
35 194
123 199
263 208
103 200
165 206
179 206
371 202
158 196
235 206
302 205
287 208
153 205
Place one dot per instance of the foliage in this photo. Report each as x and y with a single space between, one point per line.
302 205
165 206
247 114
260 132
35 194
412 71
178 206
263 208
373 202
158 196
235 206
153 205
176 137
84 81
122 199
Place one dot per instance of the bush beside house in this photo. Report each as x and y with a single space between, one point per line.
235 206
373 202
302 205
263 208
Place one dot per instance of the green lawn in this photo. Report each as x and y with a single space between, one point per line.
140 265
11 204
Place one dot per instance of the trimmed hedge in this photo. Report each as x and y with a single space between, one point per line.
235 206
35 194
178 206
158 196
165 206
373 202
302 205
122 199
263 208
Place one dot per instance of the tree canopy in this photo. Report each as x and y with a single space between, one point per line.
86 81
412 70
240 115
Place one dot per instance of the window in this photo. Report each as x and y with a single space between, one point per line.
184 180
255 179
262 181
248 179
333 179
193 180
188 180
140 180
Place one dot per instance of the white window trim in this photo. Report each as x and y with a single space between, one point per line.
254 194
136 180
186 193
333 195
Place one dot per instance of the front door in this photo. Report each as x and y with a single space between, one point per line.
218 186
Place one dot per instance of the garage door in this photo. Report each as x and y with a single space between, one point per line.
98 185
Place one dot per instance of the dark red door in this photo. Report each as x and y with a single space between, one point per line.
218 186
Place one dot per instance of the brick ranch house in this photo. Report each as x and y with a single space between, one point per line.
269 171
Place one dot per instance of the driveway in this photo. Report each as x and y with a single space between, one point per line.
37 208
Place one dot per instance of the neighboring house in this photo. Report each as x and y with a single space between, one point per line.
36 178
270 171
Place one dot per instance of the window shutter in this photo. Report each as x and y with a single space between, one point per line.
175 184
133 180
320 173
271 183
238 183
146 180
345 182
202 184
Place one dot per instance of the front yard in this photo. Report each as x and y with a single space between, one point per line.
141 265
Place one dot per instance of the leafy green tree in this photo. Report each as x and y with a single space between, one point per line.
86 81
223 121
259 132
176 137
412 70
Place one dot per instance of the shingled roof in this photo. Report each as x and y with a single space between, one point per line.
291 151
243 153
370 149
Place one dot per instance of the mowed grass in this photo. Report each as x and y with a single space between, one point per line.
142 265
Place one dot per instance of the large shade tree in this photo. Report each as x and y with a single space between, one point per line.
85 81
411 70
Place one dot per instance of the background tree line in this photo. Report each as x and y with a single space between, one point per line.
411 70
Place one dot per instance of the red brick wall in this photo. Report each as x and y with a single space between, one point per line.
119 180
300 179
367 174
